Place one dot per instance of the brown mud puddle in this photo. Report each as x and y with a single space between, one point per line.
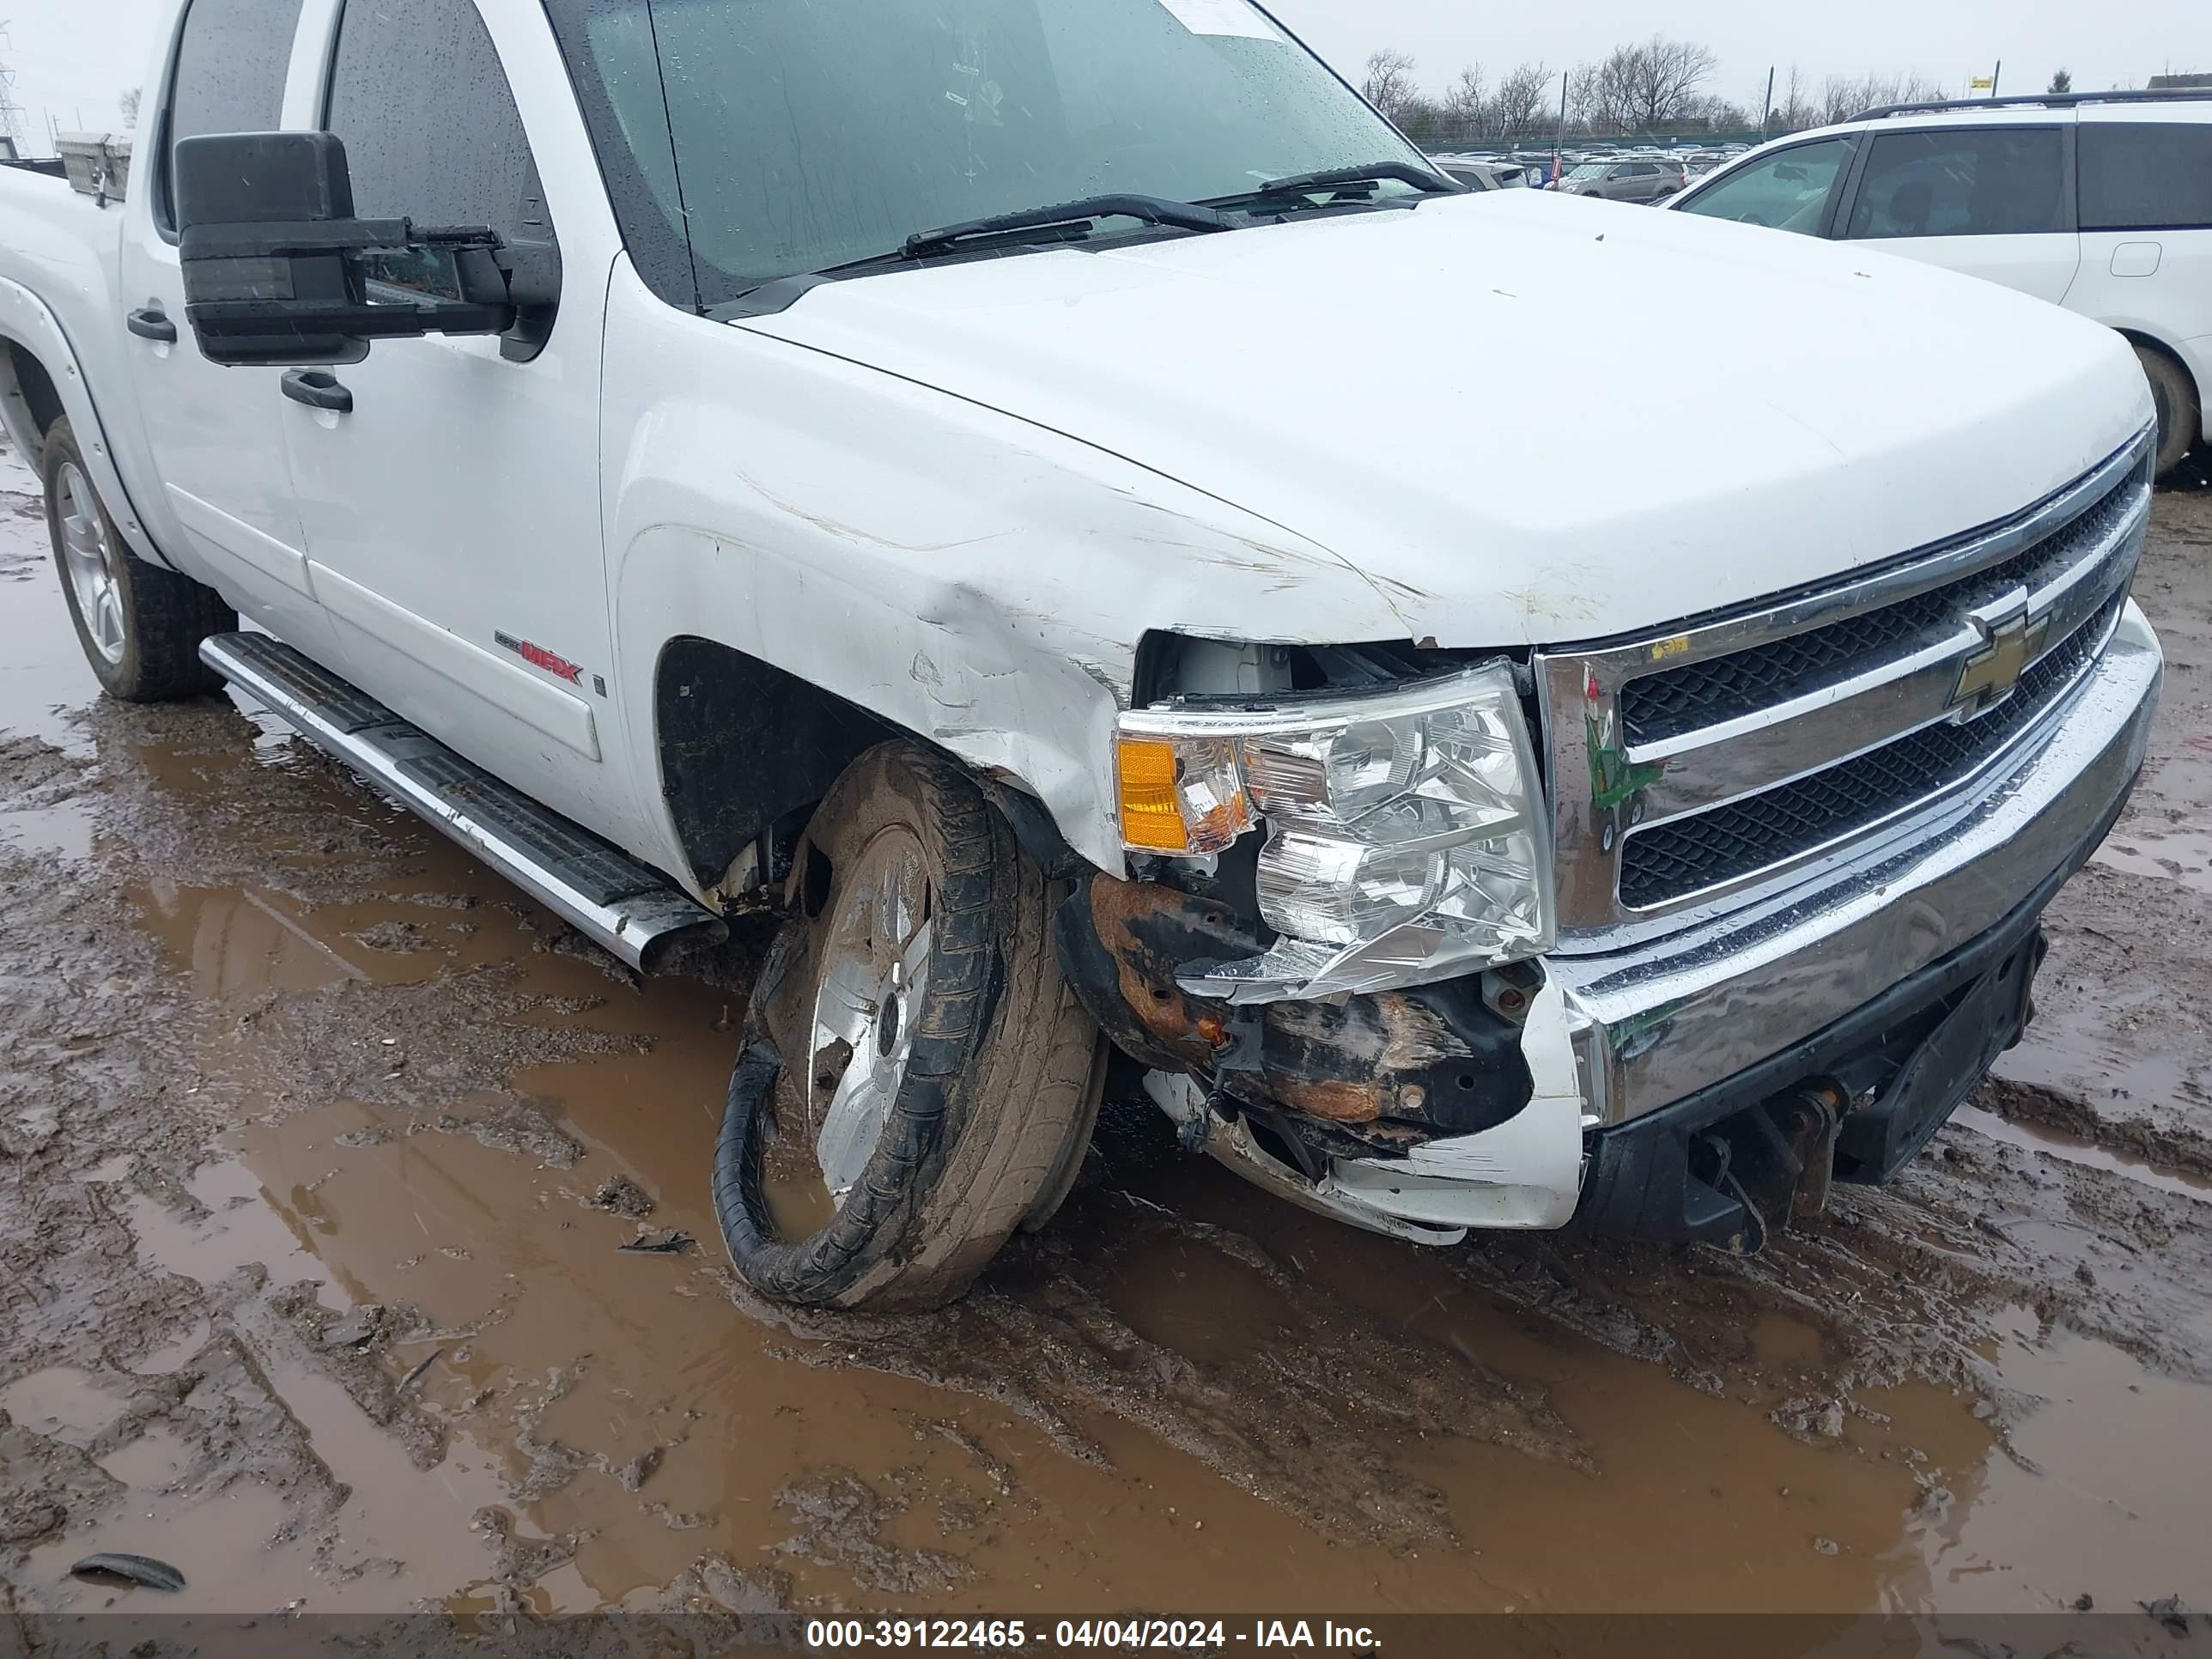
2082 1151
2123 1049
317 1145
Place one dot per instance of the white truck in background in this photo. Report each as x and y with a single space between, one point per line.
991 484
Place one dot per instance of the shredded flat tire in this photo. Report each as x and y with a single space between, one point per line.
997 1084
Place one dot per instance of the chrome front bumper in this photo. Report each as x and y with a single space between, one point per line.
1654 1025
1716 1010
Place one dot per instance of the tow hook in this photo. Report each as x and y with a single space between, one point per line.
1779 1159
1816 1115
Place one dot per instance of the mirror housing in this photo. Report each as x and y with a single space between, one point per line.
277 270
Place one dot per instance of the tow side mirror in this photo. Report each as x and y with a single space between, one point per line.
277 270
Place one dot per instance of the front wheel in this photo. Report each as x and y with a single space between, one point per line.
141 626
916 1074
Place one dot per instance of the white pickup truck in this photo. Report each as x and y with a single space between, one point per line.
995 481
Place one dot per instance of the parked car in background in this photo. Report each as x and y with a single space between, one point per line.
2099 202
1643 180
1698 163
1484 171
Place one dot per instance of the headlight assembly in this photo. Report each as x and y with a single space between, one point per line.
1407 840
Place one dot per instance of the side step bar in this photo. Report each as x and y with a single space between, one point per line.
621 903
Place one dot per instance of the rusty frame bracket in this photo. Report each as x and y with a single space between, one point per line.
1363 1076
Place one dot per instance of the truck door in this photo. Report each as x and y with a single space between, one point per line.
450 486
215 434
1988 201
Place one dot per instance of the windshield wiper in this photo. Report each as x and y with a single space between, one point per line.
1425 180
773 294
1152 209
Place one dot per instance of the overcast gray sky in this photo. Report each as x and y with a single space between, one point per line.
2105 43
72 57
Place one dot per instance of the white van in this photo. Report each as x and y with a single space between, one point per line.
2099 202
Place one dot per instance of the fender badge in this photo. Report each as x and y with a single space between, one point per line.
539 657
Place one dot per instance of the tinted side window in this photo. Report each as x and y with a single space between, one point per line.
430 127
2138 176
1962 182
230 74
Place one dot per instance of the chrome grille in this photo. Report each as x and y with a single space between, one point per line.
1714 848
1734 755
1665 705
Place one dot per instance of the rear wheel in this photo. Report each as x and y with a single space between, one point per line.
141 626
2179 416
916 1074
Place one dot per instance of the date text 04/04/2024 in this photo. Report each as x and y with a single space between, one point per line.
1009 1635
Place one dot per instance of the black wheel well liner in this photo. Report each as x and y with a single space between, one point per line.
745 746
27 378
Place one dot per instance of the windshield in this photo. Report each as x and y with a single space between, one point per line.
791 135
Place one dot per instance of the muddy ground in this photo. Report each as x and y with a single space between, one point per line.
318 1144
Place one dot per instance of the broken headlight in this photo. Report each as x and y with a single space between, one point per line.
1405 833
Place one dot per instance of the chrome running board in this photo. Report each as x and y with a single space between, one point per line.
620 903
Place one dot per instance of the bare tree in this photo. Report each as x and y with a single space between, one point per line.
1672 75
1520 101
1390 86
127 101
1794 109
1465 109
1842 96
1587 102
1650 84
1720 114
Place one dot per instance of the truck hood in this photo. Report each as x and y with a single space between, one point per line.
1524 419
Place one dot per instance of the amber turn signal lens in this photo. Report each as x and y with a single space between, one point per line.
1151 809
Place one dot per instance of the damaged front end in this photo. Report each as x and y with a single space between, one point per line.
1330 1104
1328 958
1358 1076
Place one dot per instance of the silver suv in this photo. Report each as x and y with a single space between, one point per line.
1625 181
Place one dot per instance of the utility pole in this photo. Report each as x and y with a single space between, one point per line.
1995 75
1560 142
11 113
1766 110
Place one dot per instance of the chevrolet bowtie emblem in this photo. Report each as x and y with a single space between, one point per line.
2012 640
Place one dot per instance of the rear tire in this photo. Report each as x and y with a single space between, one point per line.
2180 417
973 1055
140 626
